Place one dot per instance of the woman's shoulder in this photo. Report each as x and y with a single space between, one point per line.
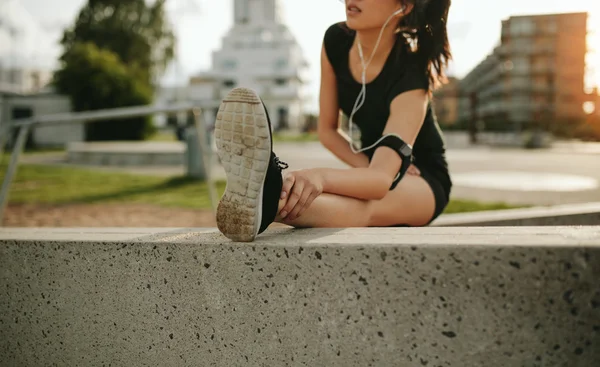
407 72
338 32
338 40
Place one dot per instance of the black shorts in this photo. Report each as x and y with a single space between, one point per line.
441 193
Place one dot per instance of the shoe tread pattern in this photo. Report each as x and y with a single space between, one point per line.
243 145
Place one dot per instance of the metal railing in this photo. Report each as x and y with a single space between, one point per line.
25 125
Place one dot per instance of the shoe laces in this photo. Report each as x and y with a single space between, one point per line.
280 164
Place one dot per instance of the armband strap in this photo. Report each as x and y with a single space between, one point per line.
403 149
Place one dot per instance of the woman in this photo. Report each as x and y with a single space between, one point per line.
378 68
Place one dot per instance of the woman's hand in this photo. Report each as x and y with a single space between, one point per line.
300 188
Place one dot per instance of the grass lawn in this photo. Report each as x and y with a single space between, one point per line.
61 185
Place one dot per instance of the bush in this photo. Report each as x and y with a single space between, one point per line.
96 79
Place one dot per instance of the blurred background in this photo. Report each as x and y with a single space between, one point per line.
520 111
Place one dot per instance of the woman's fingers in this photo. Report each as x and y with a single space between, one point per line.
308 202
288 183
295 194
302 203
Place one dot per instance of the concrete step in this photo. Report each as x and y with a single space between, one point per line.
584 214
127 154
526 296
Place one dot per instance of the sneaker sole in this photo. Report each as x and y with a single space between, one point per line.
244 147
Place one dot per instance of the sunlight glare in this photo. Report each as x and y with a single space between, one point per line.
589 108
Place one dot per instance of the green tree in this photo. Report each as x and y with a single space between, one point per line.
136 31
112 54
97 79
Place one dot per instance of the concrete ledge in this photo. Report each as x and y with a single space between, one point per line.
127 153
526 296
561 215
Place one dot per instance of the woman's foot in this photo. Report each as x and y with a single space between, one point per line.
245 148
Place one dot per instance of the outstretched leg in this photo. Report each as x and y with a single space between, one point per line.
412 202
245 148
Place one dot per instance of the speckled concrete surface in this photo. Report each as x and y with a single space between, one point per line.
365 297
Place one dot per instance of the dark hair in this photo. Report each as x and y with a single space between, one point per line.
426 24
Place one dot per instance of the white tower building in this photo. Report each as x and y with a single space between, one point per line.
258 52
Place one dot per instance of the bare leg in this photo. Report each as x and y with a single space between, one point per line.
320 213
411 202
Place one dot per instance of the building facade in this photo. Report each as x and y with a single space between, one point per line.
258 52
46 102
446 101
22 79
535 76
24 51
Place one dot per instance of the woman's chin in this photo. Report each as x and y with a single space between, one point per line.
354 25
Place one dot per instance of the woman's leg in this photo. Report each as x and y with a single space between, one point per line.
412 202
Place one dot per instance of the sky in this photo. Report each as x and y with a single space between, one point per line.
474 27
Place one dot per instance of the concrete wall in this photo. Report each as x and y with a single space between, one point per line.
366 297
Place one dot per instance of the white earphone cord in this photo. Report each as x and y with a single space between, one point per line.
360 100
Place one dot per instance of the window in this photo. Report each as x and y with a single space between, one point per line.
280 81
520 64
14 77
22 112
521 26
283 119
229 83
242 11
281 63
552 26
36 80
229 64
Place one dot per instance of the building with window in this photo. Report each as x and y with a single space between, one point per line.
25 54
258 52
536 75
26 62
446 100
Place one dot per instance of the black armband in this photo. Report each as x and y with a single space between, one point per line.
403 149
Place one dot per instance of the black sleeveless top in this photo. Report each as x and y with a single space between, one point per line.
401 72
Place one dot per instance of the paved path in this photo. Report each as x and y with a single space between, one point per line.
569 173
555 170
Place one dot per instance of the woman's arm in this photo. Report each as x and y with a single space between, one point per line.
329 117
300 188
407 113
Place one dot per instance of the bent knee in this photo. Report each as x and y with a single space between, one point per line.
413 208
363 217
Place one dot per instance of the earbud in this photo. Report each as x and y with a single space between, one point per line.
399 11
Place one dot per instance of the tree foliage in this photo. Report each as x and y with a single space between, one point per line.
137 32
111 56
96 79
